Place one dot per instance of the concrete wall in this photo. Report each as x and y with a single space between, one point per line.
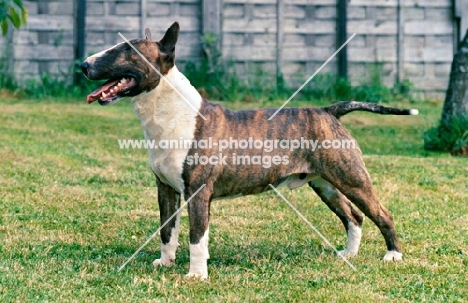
46 43
309 38
295 36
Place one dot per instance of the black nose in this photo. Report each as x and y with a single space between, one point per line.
84 68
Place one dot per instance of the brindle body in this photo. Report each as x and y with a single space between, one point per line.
289 124
344 169
338 176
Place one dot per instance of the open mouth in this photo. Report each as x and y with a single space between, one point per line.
112 90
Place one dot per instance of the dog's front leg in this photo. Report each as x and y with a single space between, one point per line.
199 213
169 202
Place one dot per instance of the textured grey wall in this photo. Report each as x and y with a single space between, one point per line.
249 35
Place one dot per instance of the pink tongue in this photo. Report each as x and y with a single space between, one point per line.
97 93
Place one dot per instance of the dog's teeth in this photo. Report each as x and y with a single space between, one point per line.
123 81
112 90
104 95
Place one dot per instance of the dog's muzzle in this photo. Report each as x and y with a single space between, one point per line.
85 68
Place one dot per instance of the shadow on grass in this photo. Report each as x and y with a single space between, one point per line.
77 256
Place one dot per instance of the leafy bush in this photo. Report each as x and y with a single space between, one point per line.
6 80
223 83
46 85
12 11
449 136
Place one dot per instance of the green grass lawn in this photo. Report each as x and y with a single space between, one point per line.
74 207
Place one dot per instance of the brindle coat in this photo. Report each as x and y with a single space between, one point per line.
338 176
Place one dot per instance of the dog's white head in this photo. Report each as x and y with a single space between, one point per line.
126 72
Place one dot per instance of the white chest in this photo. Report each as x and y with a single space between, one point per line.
166 118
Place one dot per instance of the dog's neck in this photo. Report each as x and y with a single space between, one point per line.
163 110
165 115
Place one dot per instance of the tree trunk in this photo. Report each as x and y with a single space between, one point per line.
456 99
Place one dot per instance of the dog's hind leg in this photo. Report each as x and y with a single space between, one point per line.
356 185
342 207
169 203
199 214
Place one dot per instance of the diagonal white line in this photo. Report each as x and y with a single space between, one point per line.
311 77
159 229
162 76
313 227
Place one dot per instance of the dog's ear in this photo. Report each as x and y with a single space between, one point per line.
168 42
148 34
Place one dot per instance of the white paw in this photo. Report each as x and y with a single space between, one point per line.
347 253
161 262
393 255
196 275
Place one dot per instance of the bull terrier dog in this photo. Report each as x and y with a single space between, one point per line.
170 108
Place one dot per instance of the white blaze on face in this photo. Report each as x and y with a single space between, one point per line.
93 58
165 115
198 258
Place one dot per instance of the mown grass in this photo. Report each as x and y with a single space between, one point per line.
74 207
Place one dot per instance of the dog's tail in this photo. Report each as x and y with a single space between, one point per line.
342 108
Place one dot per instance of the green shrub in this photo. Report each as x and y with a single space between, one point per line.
14 12
449 136
46 85
7 81
461 142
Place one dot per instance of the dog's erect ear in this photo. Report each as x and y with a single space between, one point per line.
148 34
168 42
